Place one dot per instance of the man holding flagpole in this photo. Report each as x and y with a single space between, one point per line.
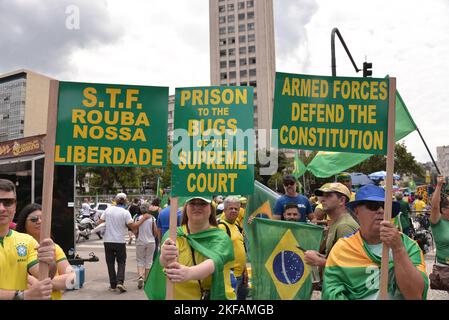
352 269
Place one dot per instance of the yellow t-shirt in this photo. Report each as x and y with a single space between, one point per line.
239 248
419 205
240 217
17 256
59 256
190 290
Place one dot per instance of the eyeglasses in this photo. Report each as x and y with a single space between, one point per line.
372 205
8 202
198 203
289 183
34 219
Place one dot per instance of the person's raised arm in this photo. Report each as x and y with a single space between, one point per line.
177 272
435 213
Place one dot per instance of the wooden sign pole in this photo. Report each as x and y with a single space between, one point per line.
169 292
388 186
49 166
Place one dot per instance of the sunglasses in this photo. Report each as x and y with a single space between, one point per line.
8 202
198 203
291 183
372 205
34 219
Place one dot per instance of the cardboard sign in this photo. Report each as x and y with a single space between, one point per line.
213 141
111 125
331 113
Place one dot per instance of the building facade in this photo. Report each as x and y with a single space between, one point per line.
242 51
23 104
443 160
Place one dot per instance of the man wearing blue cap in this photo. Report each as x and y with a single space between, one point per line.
353 267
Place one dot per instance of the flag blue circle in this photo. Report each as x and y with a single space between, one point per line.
288 267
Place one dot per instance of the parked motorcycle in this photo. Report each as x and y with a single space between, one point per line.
83 228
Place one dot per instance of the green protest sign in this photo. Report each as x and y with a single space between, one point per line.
331 113
213 146
111 125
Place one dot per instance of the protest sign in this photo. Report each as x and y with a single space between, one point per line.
213 141
331 113
111 125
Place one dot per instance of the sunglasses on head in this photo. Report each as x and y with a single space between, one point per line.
34 219
8 202
372 205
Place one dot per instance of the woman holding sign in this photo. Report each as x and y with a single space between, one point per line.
196 262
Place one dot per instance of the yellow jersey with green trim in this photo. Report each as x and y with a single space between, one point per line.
17 255
59 256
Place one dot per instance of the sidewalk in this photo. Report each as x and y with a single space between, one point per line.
96 282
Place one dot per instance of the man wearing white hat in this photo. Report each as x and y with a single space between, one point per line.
117 219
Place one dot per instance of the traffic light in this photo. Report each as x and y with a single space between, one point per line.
367 72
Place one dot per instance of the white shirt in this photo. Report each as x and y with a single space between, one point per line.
117 219
86 209
146 231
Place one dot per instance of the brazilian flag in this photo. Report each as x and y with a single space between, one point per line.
277 258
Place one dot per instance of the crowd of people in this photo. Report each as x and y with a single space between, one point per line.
210 250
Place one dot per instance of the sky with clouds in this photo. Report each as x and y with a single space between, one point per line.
166 43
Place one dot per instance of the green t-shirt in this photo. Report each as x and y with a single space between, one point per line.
343 226
405 210
440 233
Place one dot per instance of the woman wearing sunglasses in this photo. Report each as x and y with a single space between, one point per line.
29 221
196 262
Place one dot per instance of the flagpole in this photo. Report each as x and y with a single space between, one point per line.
384 269
430 154
304 175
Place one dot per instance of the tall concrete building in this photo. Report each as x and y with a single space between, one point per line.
242 51
443 160
23 104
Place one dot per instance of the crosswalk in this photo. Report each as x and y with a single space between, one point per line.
98 244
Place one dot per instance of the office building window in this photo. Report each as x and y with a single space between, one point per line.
232 84
223 75
231 29
222 19
241 5
243 73
222 53
250 4
222 42
251 37
242 39
241 16
253 84
252 60
250 15
231 18
232 52
230 7
231 63
222 30
222 64
242 27
221 9
244 84
232 75
252 72
231 40
242 50
243 62
252 49
251 26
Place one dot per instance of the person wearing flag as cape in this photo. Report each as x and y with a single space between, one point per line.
352 269
196 263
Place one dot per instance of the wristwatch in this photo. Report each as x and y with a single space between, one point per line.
18 295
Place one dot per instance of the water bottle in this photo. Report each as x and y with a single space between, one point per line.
77 277
81 272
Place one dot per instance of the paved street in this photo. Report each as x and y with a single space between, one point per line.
96 277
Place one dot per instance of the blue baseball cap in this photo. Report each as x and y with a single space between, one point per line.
371 192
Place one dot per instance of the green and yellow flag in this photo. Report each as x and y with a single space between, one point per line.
326 164
213 244
352 270
300 168
277 258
